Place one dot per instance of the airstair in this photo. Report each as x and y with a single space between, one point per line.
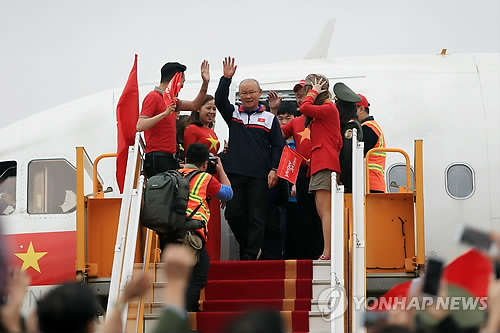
379 239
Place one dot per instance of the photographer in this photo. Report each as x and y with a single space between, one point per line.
202 187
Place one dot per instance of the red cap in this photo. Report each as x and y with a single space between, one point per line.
364 101
299 85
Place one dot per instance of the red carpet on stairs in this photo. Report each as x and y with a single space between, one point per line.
237 286
242 305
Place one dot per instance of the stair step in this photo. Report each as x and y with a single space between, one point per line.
321 269
318 286
317 322
156 307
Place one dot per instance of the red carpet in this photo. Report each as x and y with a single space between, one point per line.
242 305
237 286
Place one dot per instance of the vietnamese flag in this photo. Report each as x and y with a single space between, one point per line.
47 258
127 114
172 90
289 165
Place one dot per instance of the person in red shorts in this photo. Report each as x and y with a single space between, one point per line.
199 129
158 121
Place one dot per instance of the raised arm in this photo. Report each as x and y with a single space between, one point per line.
287 129
137 286
145 123
274 102
222 94
315 111
196 103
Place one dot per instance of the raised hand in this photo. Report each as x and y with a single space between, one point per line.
229 67
136 287
179 260
318 85
205 71
274 100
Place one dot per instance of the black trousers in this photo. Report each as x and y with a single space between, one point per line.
157 162
199 278
246 213
199 274
305 233
275 229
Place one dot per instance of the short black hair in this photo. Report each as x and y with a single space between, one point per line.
69 307
170 69
197 154
288 108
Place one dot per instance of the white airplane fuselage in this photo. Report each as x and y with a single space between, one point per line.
449 101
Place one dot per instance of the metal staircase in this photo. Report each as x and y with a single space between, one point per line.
355 271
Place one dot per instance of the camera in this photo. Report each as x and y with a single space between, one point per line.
212 164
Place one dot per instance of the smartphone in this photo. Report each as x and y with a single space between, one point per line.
432 277
475 237
372 318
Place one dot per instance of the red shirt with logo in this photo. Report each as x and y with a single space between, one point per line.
162 136
204 135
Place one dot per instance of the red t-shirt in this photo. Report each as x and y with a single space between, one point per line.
205 135
162 136
301 136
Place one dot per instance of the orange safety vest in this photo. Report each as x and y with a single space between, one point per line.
198 187
376 161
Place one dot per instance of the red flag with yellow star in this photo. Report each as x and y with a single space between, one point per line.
48 258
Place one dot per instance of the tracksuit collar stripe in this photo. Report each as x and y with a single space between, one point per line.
259 109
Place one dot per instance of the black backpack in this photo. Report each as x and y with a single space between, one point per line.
165 203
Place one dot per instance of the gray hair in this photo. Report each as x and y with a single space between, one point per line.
249 80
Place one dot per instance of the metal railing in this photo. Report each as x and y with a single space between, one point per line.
83 165
387 150
128 225
358 232
337 276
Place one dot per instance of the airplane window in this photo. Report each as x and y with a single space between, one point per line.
8 171
396 177
51 187
459 181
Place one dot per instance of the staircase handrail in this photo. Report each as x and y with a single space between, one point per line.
387 150
358 233
123 224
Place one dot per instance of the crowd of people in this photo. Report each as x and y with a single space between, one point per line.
269 217
73 306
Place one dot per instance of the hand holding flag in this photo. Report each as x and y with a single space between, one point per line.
173 88
289 165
